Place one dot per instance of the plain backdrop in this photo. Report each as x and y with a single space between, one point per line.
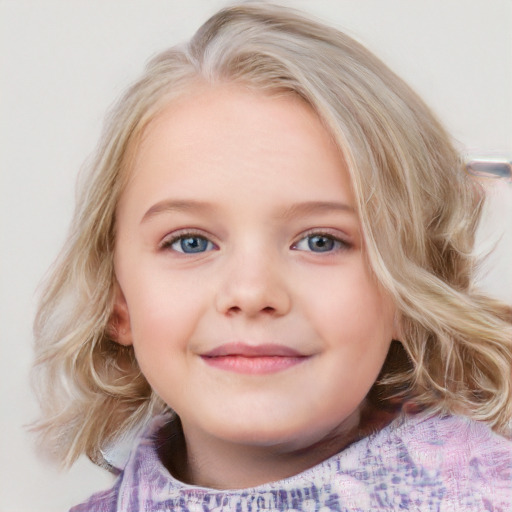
64 62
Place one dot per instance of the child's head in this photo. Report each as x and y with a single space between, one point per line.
315 194
237 236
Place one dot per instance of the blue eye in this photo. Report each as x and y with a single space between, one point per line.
190 244
320 243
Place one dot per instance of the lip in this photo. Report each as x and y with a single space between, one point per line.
246 350
253 359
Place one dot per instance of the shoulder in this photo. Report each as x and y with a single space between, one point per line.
453 440
472 463
136 462
105 501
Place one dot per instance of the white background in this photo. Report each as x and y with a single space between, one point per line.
64 62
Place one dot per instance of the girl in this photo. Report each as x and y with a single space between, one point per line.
270 275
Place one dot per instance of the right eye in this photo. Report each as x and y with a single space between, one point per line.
189 243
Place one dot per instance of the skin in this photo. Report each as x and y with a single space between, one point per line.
249 180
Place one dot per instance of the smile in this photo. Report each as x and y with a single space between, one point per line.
253 359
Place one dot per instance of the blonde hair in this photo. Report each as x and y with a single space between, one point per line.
418 208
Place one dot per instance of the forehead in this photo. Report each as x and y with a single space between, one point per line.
206 113
229 138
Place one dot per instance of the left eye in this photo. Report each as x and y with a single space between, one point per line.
319 243
190 244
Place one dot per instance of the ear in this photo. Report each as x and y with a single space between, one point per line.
119 327
397 326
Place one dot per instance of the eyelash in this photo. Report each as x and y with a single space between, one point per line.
167 243
338 243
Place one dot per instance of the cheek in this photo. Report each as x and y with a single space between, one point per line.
163 314
348 293
352 312
161 329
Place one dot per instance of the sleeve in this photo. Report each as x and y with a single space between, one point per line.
104 501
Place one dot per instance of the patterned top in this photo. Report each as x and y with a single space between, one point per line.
416 463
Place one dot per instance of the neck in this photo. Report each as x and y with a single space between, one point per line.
200 459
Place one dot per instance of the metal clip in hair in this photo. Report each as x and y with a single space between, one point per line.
490 167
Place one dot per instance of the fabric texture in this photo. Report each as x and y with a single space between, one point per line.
417 463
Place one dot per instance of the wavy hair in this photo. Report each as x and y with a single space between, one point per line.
418 209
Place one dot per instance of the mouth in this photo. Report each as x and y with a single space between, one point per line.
253 359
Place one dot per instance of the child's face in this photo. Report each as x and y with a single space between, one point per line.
244 286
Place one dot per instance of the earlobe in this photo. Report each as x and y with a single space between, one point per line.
397 327
119 327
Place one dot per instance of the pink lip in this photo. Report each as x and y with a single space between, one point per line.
242 349
253 359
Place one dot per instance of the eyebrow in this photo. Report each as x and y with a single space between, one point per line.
170 205
309 207
295 210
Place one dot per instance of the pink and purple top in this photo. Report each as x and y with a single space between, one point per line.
416 463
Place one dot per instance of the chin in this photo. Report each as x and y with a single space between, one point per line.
287 436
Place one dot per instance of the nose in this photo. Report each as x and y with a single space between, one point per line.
253 285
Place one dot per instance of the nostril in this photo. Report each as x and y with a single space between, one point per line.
246 298
235 310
